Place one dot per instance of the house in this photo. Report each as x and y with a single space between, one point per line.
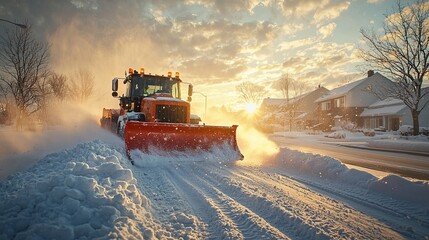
272 104
391 113
299 111
346 103
385 114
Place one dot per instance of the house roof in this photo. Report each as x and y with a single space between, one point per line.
343 90
383 111
386 107
284 101
274 101
386 102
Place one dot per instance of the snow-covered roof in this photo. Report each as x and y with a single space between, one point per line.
386 102
388 106
383 111
343 90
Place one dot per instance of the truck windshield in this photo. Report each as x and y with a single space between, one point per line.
147 86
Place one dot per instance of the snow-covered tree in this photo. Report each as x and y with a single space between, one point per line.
402 52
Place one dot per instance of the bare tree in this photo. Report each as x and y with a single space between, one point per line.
284 84
292 108
251 92
58 85
402 52
81 85
24 63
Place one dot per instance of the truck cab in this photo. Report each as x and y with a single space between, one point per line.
151 98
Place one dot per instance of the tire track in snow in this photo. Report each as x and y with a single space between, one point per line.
407 224
204 207
343 218
230 218
308 214
242 191
237 202
168 204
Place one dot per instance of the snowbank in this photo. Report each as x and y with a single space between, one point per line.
329 168
402 144
21 149
86 192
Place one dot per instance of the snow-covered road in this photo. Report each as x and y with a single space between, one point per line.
92 190
219 201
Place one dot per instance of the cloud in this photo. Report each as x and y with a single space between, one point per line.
298 7
290 45
149 37
375 1
85 4
320 61
327 30
319 10
330 12
208 68
225 6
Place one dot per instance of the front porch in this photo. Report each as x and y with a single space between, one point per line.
388 123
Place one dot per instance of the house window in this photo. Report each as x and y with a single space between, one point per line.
326 106
378 122
339 102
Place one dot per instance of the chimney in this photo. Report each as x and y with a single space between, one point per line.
370 73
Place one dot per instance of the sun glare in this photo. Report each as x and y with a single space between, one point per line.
251 107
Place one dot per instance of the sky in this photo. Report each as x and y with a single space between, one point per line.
215 45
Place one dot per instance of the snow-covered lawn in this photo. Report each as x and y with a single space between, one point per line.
88 190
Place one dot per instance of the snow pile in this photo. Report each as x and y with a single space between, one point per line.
80 193
329 168
419 144
21 149
322 167
402 189
337 135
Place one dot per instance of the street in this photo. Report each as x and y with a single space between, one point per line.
404 164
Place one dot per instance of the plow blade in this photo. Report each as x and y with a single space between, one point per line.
168 137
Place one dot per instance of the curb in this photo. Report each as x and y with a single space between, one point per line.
387 150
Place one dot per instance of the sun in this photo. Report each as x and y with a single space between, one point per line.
251 107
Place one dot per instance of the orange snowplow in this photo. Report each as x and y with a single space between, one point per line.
152 117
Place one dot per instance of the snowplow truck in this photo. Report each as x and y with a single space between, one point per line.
153 117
